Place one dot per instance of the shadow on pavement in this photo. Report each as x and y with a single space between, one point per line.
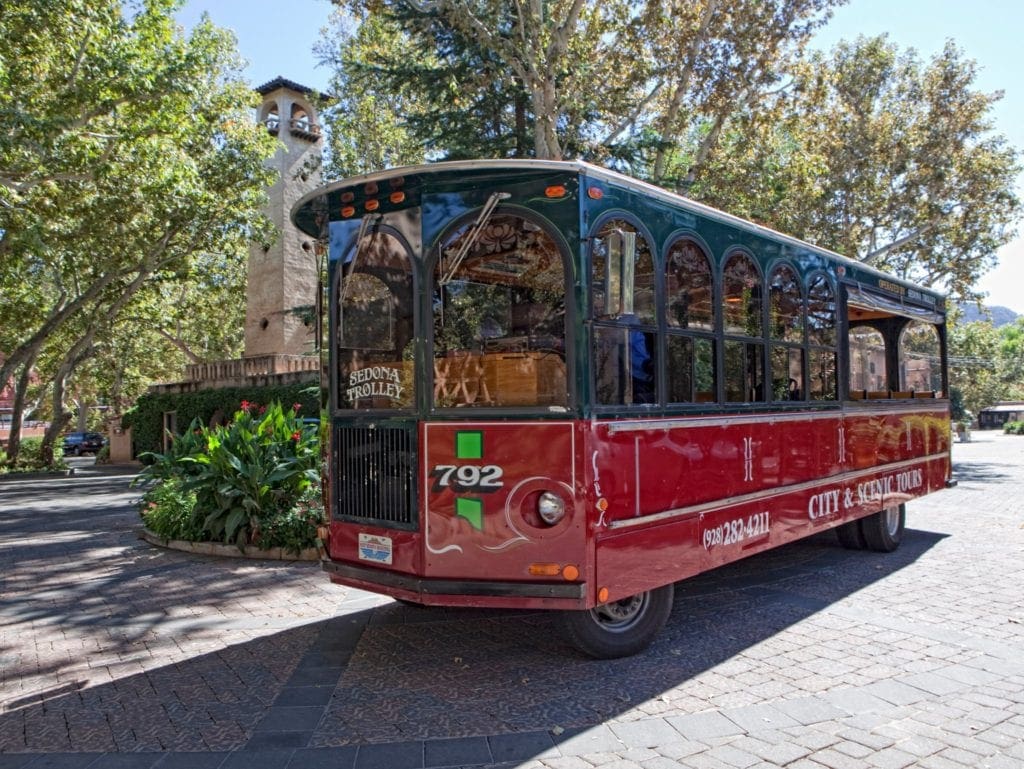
980 472
150 667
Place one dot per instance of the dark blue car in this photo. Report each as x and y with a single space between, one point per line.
82 443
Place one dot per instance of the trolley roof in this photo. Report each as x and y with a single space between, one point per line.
304 213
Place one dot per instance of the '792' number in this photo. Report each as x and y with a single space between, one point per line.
483 480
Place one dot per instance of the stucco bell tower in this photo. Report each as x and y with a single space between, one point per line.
282 276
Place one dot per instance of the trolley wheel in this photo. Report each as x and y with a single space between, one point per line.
620 628
850 536
883 531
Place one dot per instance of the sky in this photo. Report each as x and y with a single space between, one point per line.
277 38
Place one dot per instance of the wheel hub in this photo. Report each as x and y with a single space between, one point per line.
892 521
620 615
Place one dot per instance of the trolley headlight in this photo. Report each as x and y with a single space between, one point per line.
550 508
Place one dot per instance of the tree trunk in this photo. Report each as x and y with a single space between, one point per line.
17 417
60 416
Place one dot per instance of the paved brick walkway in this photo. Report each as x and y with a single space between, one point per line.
117 654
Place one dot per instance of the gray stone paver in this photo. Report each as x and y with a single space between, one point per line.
807 657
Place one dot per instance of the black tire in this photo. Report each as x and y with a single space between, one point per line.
620 628
883 531
850 536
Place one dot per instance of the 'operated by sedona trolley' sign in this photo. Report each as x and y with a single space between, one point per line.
552 386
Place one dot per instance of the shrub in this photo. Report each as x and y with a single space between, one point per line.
1014 428
296 528
30 457
146 417
245 475
169 511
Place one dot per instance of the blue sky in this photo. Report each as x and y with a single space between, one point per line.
277 39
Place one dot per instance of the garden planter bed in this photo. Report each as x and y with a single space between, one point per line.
230 551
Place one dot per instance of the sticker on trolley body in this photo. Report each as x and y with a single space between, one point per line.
374 548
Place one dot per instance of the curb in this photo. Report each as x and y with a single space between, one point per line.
37 475
229 551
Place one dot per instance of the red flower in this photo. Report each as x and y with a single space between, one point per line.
296 407
246 405
263 409
296 436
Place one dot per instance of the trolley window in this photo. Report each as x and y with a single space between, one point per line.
374 326
499 316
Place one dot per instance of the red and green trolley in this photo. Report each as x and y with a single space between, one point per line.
553 386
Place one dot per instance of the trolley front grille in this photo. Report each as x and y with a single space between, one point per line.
375 475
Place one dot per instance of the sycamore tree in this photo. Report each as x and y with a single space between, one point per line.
880 156
641 86
127 151
986 364
368 125
867 149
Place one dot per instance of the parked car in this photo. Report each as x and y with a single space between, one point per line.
82 443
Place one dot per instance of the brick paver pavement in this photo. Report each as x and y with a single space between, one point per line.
117 654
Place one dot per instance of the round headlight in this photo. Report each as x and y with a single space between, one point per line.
550 508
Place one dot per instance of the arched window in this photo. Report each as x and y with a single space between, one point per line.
743 347
920 358
690 319
867 360
499 316
300 119
374 325
821 339
272 118
689 287
786 330
622 305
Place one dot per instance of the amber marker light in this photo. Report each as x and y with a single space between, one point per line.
348 211
396 197
570 572
595 193
372 205
602 595
545 569
555 191
348 197
371 188
602 504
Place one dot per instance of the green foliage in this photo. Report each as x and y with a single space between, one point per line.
131 176
986 364
31 458
146 418
956 404
560 79
169 511
878 155
295 528
1014 428
246 474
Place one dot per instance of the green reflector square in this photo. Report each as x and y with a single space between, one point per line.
472 510
469 444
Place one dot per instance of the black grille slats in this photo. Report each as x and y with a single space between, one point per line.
375 475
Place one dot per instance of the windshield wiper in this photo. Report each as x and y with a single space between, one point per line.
473 235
